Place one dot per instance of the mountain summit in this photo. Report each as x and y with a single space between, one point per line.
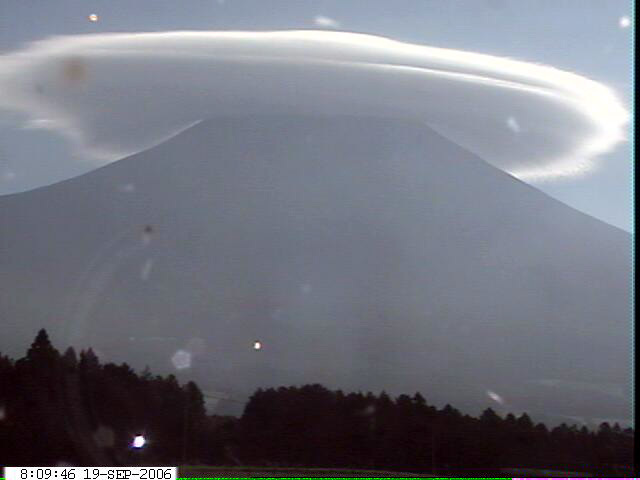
361 253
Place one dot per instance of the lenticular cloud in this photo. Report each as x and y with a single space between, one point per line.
117 94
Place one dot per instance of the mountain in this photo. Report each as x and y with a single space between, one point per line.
363 253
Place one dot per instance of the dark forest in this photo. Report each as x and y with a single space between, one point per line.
69 409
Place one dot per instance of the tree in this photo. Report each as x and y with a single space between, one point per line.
70 360
490 418
40 380
419 400
195 414
41 353
524 423
89 362
99 407
493 434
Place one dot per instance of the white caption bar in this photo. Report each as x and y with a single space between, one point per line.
91 473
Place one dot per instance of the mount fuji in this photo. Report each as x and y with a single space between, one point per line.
363 253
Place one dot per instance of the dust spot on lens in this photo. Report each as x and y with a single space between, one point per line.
74 70
146 234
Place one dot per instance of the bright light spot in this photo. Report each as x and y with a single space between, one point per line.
513 124
138 441
93 17
324 21
181 359
495 397
624 22
257 345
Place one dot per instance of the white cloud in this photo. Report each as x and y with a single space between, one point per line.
324 21
116 94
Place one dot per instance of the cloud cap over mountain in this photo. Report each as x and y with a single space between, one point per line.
117 94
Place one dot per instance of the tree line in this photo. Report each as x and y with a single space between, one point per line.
69 409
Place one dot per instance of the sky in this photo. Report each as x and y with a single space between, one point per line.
589 38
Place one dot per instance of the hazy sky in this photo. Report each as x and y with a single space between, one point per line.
590 38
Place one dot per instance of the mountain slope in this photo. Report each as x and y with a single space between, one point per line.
363 253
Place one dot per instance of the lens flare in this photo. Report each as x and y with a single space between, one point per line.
181 360
624 22
495 397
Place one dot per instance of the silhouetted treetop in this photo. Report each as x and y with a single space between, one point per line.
41 351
